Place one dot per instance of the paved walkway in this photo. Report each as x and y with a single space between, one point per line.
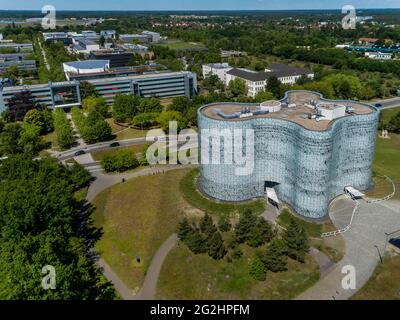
148 290
365 242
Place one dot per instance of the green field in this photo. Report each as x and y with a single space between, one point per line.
384 284
190 192
137 217
124 132
181 45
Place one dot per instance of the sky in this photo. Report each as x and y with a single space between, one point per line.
194 4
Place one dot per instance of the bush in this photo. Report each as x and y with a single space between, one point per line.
122 161
257 269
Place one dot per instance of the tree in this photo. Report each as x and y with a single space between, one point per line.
97 104
40 118
274 86
394 123
79 176
125 107
196 242
29 139
87 90
275 258
150 105
263 96
257 269
166 117
246 222
224 225
102 41
296 241
216 248
184 229
9 139
20 103
136 60
212 82
180 104
238 87
63 129
207 226
145 120
41 223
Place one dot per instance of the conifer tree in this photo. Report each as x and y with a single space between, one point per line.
216 247
296 241
257 269
275 258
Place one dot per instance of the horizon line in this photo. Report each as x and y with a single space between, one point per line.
200 10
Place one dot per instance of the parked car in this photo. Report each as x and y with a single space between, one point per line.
378 105
79 153
114 144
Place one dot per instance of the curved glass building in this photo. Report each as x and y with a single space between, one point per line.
306 148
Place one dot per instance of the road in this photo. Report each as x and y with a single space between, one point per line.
388 103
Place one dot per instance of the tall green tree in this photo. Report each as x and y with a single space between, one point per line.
296 241
216 247
257 269
274 86
238 87
275 258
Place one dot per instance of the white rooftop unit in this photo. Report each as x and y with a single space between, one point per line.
331 111
271 106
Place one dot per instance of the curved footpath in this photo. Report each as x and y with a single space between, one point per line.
148 290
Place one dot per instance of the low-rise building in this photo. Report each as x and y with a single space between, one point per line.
217 69
85 67
67 94
85 46
57 36
155 36
257 81
379 55
17 47
108 34
117 58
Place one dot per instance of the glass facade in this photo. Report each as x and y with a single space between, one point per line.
308 168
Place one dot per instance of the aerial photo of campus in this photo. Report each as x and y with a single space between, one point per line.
200 151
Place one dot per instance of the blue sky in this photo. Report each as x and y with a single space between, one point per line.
193 4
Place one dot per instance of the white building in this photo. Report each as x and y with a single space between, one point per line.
85 46
330 111
155 36
257 81
108 34
379 55
85 67
217 69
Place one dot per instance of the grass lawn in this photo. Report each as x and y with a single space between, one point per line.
388 114
181 45
199 277
123 132
99 155
387 155
194 197
51 138
385 282
137 217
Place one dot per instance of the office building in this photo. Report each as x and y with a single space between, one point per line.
307 150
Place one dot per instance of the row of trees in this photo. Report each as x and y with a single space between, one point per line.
42 224
253 231
93 127
63 129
